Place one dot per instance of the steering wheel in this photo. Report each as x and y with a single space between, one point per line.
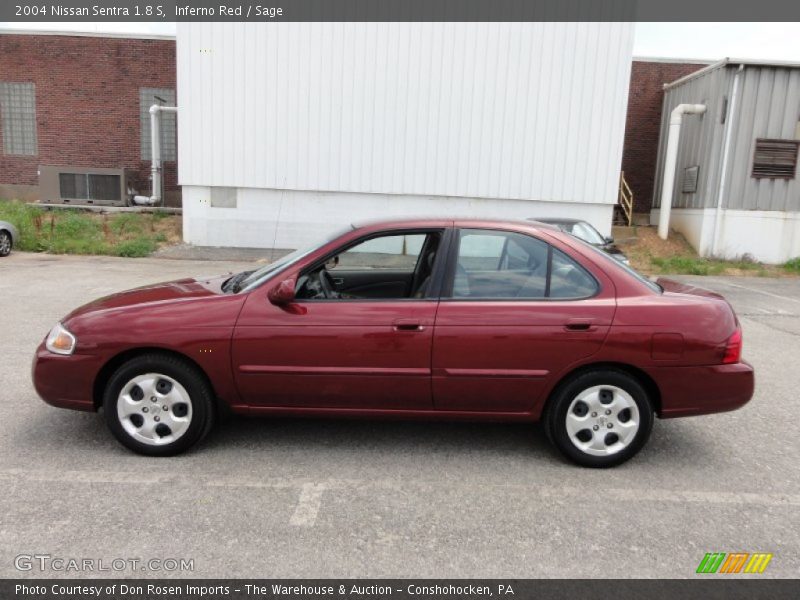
327 285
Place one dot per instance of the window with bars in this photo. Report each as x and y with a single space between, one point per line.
18 115
169 146
775 159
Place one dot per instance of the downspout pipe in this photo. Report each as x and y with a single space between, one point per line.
726 151
155 155
671 161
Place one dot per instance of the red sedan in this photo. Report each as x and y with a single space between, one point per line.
428 318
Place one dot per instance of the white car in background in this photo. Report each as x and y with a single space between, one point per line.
8 237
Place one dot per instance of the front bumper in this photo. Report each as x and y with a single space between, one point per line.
65 381
688 391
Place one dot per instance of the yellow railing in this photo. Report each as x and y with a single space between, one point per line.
625 200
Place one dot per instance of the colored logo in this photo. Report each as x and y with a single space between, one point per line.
734 562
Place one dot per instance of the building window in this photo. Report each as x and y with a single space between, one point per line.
18 113
775 159
148 97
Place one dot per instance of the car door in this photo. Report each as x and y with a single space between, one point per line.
365 350
516 312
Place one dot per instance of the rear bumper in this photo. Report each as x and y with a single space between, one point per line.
688 391
65 381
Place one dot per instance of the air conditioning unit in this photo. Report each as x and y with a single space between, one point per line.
85 186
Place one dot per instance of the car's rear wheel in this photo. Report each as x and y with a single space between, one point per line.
600 418
158 405
5 243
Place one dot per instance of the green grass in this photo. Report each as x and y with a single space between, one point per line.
73 231
687 265
691 265
793 266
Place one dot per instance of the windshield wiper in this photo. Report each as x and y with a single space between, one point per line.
233 284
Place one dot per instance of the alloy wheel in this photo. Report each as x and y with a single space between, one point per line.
5 243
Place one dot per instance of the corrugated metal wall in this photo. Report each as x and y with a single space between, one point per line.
520 110
767 106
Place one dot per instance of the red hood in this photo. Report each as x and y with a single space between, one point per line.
676 287
169 291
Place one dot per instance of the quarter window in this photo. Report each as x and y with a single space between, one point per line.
568 279
506 265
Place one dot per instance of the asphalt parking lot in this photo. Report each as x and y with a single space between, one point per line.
306 498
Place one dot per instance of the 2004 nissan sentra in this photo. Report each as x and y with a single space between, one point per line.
427 318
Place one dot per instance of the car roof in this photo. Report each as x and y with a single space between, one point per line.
475 222
557 220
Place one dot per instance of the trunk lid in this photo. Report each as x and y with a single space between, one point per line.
676 287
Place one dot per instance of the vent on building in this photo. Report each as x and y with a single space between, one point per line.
79 185
775 159
690 175
89 186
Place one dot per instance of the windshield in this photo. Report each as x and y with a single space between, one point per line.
609 260
255 278
585 232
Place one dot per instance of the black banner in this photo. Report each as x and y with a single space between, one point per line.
33 11
718 588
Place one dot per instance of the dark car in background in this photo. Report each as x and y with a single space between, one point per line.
586 232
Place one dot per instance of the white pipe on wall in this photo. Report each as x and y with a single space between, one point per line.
725 153
155 155
671 161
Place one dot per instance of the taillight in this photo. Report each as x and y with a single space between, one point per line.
733 349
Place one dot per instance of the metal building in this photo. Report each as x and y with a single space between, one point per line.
289 130
736 190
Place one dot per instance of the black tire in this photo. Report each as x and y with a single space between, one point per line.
181 371
6 243
555 417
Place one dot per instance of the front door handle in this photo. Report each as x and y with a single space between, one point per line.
404 325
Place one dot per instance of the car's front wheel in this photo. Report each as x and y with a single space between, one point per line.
5 243
158 405
600 418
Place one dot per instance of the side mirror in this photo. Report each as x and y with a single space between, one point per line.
609 239
283 293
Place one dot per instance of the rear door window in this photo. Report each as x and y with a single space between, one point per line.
506 265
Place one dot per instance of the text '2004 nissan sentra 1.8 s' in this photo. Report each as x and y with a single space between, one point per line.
454 319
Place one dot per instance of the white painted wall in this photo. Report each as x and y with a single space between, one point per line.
489 111
265 218
771 237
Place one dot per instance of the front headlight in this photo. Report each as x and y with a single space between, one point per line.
60 340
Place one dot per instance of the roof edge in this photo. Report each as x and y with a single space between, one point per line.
673 60
747 62
97 34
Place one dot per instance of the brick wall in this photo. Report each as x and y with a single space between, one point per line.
87 101
643 124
